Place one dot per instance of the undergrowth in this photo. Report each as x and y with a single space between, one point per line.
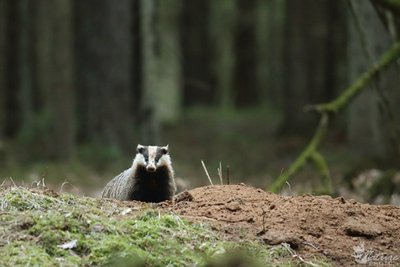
43 228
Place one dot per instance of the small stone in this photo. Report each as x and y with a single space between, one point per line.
272 237
233 206
183 196
361 228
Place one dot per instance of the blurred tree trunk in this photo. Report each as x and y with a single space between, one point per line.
335 50
104 66
62 97
294 58
3 64
41 140
169 71
245 85
12 112
43 57
137 59
272 75
52 131
197 51
25 68
222 15
150 36
311 59
369 132
161 72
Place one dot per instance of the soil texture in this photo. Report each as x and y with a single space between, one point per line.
344 231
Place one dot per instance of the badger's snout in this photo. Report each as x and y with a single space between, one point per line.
151 168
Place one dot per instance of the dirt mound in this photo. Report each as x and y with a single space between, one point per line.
344 231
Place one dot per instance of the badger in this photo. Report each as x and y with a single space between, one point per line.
149 179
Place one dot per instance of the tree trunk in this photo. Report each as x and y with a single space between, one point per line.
368 132
25 68
12 118
245 84
294 54
137 60
221 31
104 67
150 37
273 71
168 95
198 81
62 94
311 62
3 66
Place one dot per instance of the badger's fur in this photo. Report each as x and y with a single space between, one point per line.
149 179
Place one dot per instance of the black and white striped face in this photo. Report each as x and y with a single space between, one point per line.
152 157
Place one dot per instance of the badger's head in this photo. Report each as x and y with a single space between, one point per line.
152 157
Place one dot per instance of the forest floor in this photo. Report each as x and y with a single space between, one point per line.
39 227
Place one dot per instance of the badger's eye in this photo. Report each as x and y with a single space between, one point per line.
146 158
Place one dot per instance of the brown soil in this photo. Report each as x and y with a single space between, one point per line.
313 225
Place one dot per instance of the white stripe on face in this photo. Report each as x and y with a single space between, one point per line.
151 162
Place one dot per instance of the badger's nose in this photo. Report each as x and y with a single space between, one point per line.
151 168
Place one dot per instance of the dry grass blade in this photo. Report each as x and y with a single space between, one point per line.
220 173
227 174
296 256
205 169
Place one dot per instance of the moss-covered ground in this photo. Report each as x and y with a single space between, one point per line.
39 227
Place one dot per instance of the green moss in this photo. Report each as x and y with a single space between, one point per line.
24 253
49 230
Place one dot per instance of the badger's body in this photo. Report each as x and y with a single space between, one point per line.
149 179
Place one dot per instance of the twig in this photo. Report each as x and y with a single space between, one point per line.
205 169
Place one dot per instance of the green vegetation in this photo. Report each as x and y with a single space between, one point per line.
39 227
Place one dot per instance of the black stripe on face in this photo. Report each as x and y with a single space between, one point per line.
145 152
160 152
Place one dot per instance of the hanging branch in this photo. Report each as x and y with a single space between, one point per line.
326 110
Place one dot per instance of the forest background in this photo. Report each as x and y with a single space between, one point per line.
83 82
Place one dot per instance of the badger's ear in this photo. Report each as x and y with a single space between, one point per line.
140 149
164 149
